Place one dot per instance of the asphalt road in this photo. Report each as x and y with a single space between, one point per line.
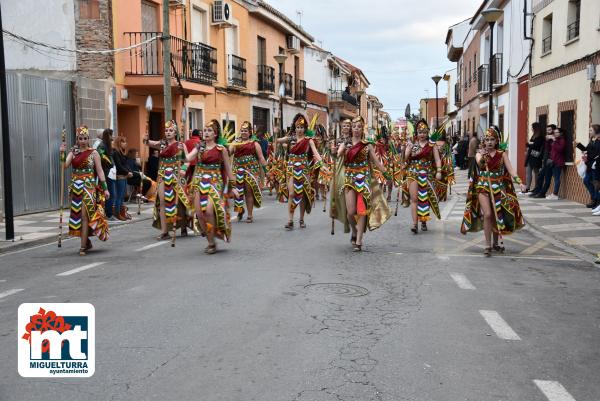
279 315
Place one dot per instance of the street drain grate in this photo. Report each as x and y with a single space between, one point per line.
339 289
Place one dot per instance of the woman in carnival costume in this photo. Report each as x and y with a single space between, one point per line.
170 191
247 159
212 183
324 176
422 166
303 160
358 201
494 179
445 151
88 191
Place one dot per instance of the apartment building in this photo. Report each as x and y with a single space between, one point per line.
564 88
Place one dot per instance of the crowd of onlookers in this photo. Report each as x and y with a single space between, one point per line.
545 161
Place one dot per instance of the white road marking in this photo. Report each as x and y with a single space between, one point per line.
558 228
583 241
458 255
2 281
462 281
34 247
80 269
554 391
145 248
449 206
534 248
500 327
10 292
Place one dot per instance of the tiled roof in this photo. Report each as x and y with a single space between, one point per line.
281 15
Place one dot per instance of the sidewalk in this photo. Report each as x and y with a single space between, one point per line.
42 228
566 221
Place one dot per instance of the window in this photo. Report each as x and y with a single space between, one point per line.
547 35
574 13
231 40
89 9
543 120
199 28
195 119
261 45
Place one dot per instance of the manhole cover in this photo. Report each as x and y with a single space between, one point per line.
340 289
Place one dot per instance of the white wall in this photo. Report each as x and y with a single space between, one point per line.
316 70
51 22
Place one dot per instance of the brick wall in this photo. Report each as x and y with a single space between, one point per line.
94 33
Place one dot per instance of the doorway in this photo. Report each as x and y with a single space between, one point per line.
260 119
154 126
567 122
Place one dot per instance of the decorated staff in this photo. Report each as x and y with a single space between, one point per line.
88 190
141 190
422 166
361 203
63 155
444 184
492 204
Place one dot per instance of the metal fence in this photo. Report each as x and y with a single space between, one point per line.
36 107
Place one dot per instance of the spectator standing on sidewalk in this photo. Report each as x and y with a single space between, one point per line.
546 167
591 157
555 163
473 146
120 184
534 154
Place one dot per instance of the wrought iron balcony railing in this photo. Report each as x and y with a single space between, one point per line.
300 90
547 44
573 30
288 82
497 77
266 78
195 62
483 78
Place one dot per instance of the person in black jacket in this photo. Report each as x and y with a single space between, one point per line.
546 167
592 163
535 150
123 173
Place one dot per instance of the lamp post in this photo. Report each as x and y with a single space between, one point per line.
280 59
436 79
491 15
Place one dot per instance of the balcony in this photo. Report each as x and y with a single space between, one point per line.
300 90
342 101
573 30
497 77
236 72
457 97
266 79
546 45
288 85
483 78
192 62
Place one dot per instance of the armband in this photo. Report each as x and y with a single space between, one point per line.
318 164
184 167
517 179
104 186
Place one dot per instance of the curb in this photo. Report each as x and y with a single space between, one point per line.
18 245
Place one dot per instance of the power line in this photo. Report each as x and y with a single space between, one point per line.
25 40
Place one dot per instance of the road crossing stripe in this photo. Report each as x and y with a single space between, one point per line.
145 248
80 269
462 281
505 256
10 292
500 327
554 391
534 248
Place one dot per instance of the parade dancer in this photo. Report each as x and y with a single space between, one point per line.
324 176
358 201
423 164
88 191
492 204
303 159
170 192
212 183
445 151
247 159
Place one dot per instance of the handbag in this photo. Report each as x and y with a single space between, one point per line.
112 173
535 153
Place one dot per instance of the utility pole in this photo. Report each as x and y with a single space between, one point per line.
8 200
166 45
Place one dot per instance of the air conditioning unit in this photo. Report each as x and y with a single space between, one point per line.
293 44
221 13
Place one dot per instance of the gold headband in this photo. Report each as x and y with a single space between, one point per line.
83 130
170 124
246 125
422 125
491 132
300 122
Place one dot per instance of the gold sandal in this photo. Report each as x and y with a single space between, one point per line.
289 226
301 223
82 251
163 237
211 249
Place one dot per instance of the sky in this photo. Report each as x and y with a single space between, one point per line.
399 44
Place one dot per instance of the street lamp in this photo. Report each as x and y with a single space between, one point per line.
280 59
491 15
436 79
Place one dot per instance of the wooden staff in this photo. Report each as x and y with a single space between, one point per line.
175 190
141 189
63 139
333 209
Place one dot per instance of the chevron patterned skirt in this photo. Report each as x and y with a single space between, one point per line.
299 171
208 184
83 195
358 179
247 173
427 200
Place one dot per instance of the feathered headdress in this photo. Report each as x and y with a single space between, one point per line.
439 133
495 133
310 132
